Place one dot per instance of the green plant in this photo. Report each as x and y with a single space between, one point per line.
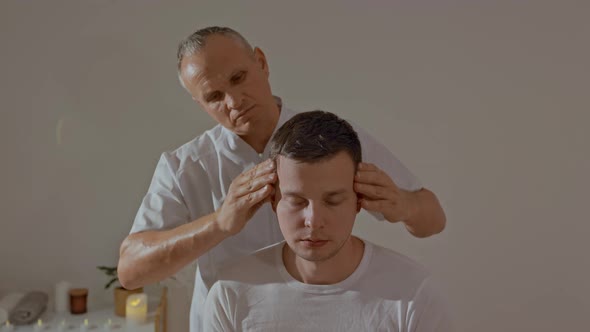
111 272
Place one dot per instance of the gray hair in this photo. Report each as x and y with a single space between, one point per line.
197 40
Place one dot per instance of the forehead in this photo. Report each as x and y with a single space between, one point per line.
220 56
325 175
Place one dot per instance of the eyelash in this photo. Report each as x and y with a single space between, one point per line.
213 97
299 203
237 79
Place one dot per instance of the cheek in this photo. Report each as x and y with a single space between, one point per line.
344 217
216 111
289 219
259 85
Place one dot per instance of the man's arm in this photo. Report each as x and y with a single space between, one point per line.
428 217
419 210
151 256
395 192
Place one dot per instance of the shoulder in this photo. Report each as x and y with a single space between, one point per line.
401 273
197 150
200 146
256 268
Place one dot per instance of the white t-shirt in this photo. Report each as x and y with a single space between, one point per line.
193 180
387 292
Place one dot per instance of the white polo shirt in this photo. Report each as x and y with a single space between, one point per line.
193 180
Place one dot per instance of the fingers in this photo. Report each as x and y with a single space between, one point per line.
254 179
377 205
262 169
257 198
367 167
374 192
255 184
371 174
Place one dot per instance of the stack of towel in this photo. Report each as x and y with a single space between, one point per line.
22 309
7 303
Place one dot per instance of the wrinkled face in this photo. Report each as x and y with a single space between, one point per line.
230 83
316 205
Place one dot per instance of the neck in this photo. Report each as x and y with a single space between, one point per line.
327 272
260 137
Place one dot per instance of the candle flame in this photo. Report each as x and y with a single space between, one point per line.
39 322
86 322
135 302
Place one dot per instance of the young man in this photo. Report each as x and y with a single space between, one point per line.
206 199
322 278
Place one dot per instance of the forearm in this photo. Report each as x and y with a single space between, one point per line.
428 217
151 256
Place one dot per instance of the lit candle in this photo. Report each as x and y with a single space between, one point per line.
136 308
8 326
84 326
39 325
108 325
62 326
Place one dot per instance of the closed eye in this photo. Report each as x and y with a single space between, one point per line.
239 77
214 96
294 201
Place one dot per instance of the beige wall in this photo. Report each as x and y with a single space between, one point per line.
487 102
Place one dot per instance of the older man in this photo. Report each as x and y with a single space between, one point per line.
206 199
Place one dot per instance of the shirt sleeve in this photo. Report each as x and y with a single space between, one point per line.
217 312
163 206
376 153
429 311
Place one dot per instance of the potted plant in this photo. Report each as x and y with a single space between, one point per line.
120 293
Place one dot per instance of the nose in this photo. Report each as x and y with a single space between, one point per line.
234 99
314 216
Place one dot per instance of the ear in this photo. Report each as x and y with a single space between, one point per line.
273 200
359 200
275 197
261 60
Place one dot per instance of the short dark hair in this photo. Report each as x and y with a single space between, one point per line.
315 136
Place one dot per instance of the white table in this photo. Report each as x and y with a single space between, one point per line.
96 321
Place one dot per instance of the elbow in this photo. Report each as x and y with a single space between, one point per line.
125 271
442 224
125 278
429 226
436 215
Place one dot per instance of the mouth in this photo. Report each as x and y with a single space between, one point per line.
243 112
313 243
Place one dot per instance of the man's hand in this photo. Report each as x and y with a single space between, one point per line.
245 196
380 194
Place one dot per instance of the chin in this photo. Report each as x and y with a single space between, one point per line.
242 129
315 255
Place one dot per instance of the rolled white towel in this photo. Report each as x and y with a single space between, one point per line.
7 303
29 308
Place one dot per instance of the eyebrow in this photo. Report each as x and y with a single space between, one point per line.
207 95
326 195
